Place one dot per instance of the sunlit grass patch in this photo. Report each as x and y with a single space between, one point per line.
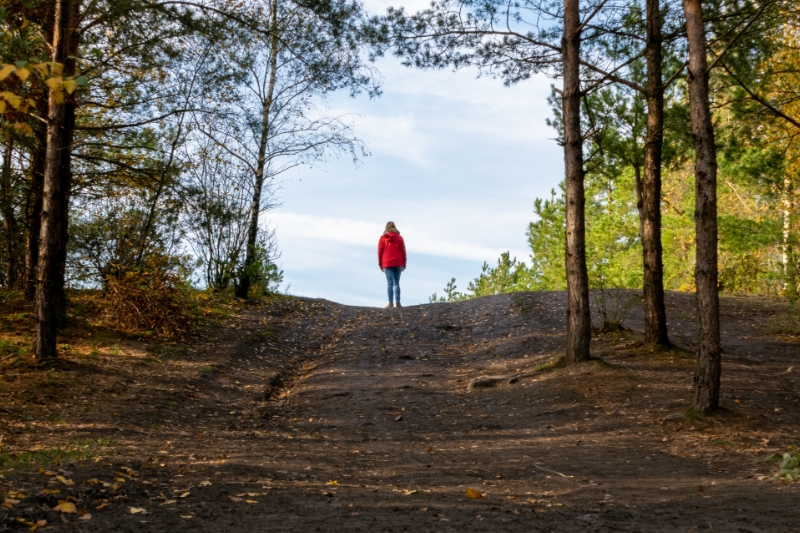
12 459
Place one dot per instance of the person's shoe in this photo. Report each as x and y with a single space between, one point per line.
390 306
398 305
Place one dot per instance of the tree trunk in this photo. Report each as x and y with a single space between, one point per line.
243 287
579 324
57 181
34 212
705 395
789 265
655 315
10 218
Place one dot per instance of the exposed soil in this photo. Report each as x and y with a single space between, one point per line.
306 415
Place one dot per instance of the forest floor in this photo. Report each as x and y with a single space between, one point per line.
305 415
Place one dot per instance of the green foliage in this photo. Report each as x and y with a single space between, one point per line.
790 466
507 276
546 241
451 294
264 274
43 457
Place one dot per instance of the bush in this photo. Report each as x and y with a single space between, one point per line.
147 301
613 306
790 466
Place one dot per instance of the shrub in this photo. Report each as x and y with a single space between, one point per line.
148 300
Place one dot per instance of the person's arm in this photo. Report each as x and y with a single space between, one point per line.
381 248
403 249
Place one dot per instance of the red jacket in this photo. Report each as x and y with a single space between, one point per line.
391 250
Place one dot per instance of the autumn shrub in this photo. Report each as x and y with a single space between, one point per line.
148 300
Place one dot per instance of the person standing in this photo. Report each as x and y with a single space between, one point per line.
392 260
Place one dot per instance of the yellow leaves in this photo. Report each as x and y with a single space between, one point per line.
12 99
65 481
22 73
49 72
12 499
65 507
23 128
6 71
70 85
332 482
408 492
31 526
472 493
138 510
184 494
10 502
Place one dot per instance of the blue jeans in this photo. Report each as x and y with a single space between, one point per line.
393 279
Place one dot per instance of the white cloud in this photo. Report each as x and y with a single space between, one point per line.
350 232
395 136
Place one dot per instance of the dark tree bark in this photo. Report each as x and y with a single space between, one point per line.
11 224
243 286
579 325
705 394
655 314
34 211
57 182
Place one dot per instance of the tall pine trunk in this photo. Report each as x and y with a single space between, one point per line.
655 314
245 278
50 302
579 325
33 211
9 216
705 394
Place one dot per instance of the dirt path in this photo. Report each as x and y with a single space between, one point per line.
311 416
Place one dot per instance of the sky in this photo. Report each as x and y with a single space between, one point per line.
455 161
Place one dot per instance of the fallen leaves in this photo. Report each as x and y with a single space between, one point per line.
205 483
138 510
65 507
472 493
65 481
9 503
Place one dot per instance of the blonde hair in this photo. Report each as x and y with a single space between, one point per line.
391 227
